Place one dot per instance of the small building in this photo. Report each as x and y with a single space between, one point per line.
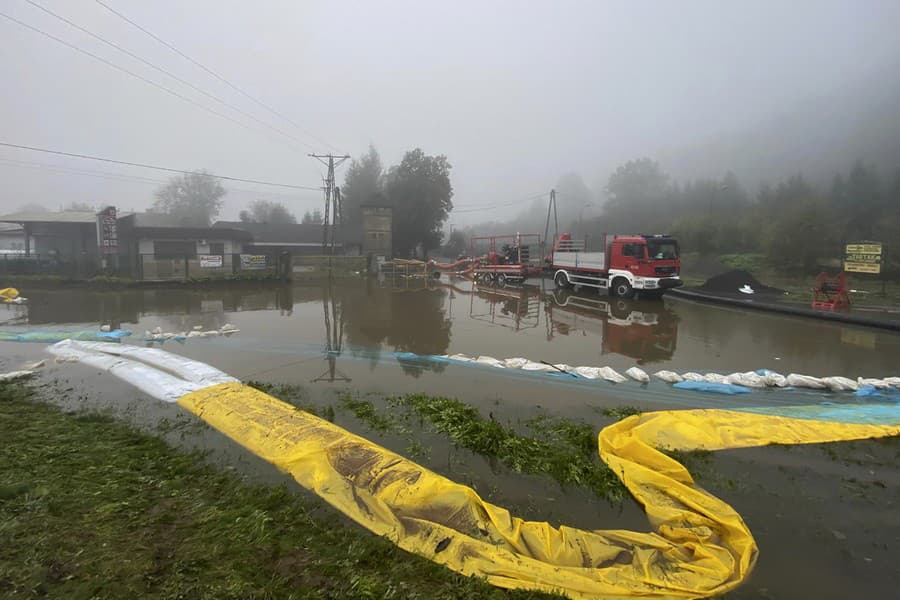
377 231
157 247
274 239
12 238
63 242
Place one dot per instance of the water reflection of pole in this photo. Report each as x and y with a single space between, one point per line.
334 335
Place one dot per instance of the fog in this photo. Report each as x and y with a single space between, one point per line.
514 94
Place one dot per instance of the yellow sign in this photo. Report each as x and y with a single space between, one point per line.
862 257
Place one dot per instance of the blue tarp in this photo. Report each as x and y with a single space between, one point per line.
50 337
728 389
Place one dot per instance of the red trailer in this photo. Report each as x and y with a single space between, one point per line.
505 259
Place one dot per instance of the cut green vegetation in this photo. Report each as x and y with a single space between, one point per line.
90 508
564 450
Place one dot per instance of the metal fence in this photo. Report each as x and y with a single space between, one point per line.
48 264
314 266
151 267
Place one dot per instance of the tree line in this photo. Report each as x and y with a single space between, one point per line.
418 189
794 223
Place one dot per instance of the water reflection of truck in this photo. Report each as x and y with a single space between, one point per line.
620 264
647 332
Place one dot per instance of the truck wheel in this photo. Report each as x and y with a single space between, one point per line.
562 281
501 280
622 288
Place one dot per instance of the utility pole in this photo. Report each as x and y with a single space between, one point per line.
332 214
551 210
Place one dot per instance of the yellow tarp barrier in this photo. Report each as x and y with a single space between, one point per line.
9 294
700 546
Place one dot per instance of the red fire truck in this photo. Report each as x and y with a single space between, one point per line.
620 264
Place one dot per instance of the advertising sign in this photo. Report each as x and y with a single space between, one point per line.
253 262
863 257
211 261
107 236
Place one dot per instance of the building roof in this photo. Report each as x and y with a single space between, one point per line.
63 216
149 219
201 233
281 234
10 228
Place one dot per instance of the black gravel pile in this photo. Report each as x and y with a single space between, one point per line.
731 281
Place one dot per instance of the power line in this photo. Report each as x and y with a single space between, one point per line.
128 72
120 177
165 72
480 208
167 169
213 73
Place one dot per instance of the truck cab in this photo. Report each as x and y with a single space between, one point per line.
648 263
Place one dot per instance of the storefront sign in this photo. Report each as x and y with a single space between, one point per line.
210 261
863 257
253 262
107 236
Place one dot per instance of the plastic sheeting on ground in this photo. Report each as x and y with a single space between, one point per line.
699 547
49 337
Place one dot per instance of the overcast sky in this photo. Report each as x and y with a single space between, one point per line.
514 93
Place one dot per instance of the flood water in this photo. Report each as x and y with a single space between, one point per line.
344 336
286 332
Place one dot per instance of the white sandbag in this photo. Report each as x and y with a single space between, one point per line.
668 376
515 363
880 384
715 378
805 381
490 361
610 374
748 379
35 365
228 327
461 357
13 375
587 372
637 374
840 384
536 366
691 376
893 381
104 328
773 379
157 330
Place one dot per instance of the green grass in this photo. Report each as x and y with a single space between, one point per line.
745 262
90 508
564 450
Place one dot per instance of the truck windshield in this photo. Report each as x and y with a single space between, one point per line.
662 249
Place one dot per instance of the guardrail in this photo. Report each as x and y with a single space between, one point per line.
570 246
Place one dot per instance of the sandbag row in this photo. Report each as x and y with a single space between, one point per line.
762 378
